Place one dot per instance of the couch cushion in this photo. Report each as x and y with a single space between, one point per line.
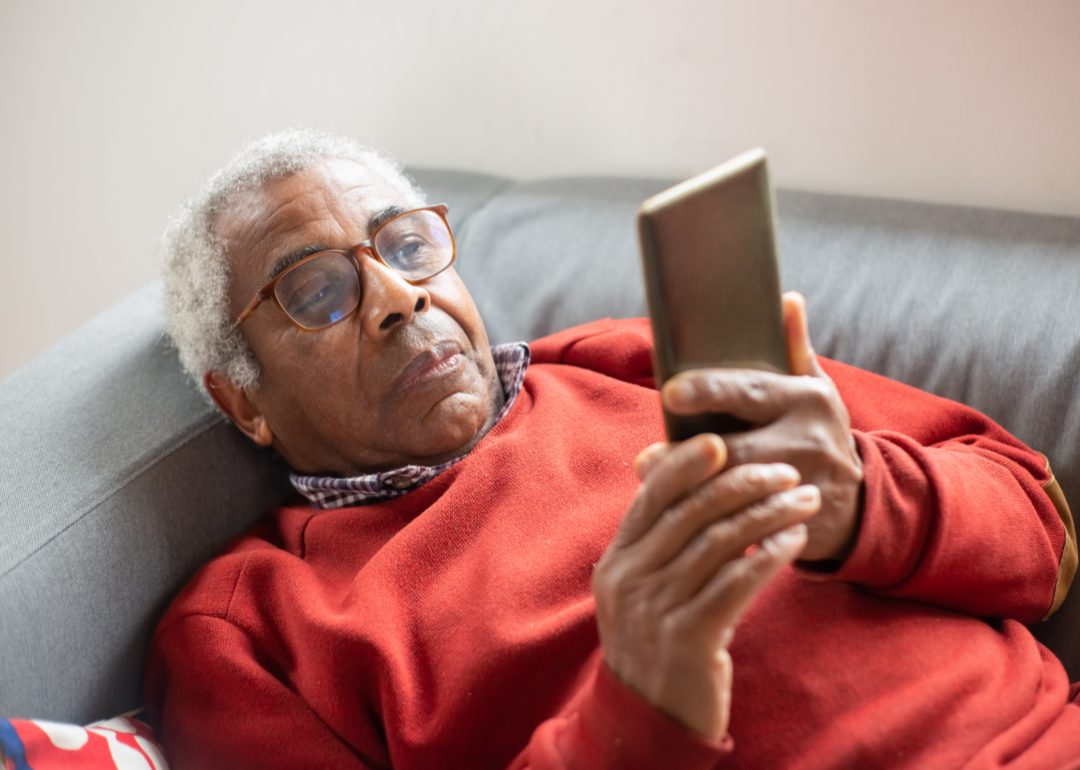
116 481
548 255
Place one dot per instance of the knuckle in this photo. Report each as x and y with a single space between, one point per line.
756 390
762 558
745 527
718 538
750 479
649 494
601 585
741 572
818 393
600 569
716 495
652 499
709 384
719 535
610 576
763 512
758 562
696 547
709 498
672 625
818 439
715 538
619 575
679 514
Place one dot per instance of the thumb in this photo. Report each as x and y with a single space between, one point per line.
801 357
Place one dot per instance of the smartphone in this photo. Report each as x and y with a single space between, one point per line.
712 279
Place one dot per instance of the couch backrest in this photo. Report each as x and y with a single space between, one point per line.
117 479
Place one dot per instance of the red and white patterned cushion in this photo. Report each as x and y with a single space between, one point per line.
121 743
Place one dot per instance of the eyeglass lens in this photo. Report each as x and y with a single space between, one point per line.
417 245
323 290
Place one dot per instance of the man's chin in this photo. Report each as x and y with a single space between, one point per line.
441 419
454 425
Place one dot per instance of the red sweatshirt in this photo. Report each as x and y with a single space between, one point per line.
454 626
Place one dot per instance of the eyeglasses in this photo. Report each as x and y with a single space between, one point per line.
320 290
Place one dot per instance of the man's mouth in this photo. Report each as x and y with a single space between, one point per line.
439 360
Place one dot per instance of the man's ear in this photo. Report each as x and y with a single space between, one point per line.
236 405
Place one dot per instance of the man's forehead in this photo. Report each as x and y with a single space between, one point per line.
325 205
328 205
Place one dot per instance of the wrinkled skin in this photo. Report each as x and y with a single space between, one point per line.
331 402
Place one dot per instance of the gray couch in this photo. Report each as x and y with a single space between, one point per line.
117 480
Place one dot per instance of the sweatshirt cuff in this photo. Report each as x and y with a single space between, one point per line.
625 731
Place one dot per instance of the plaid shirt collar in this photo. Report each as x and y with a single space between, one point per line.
325 492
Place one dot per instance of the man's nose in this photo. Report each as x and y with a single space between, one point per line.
389 300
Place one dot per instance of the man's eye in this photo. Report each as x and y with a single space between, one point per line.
316 300
404 253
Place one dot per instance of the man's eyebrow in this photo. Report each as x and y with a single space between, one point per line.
286 261
385 216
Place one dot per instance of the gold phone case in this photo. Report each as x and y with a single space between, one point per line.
712 279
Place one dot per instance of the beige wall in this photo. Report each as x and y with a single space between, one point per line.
113 112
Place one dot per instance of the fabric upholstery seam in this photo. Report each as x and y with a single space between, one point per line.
131 477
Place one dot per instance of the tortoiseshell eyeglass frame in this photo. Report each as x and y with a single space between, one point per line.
267 291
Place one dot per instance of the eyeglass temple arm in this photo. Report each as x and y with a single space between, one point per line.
255 302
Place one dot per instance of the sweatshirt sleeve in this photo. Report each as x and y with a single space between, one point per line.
956 512
211 697
612 727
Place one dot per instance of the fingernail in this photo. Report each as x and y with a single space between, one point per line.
712 448
790 538
786 473
680 390
802 496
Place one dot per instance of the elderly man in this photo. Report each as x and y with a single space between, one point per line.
493 561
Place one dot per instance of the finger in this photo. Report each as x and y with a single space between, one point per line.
648 457
728 539
778 443
713 501
756 396
801 357
680 469
724 599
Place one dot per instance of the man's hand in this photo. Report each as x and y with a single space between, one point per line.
798 420
672 585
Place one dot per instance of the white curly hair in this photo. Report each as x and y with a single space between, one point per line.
195 270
